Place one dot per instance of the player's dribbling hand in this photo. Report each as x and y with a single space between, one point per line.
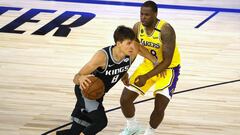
140 80
84 82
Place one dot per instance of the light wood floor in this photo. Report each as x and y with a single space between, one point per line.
36 89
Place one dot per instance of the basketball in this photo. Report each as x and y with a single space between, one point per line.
95 90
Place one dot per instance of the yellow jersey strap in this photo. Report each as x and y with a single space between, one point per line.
160 24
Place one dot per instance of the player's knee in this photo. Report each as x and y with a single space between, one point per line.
161 103
160 109
102 123
123 100
159 112
127 97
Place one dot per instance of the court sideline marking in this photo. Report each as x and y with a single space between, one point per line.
166 6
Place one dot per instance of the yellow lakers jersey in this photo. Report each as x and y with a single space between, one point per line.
154 44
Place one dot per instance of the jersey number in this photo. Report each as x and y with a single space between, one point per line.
154 53
115 79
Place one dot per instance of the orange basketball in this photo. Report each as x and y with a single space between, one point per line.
95 90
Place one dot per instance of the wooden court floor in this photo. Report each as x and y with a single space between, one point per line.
36 70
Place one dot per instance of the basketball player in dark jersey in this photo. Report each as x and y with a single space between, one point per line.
110 64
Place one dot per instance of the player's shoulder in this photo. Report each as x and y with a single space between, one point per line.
167 26
99 59
101 53
100 56
136 26
167 30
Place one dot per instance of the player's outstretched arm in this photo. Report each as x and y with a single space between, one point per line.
145 53
169 40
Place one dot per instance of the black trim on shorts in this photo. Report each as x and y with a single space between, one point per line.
137 89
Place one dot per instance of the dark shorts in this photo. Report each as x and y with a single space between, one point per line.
90 111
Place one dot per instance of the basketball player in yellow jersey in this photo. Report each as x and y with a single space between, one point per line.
159 38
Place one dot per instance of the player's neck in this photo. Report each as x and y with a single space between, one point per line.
118 55
153 25
149 29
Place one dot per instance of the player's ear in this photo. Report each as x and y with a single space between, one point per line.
118 43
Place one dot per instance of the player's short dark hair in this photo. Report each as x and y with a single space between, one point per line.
151 4
122 33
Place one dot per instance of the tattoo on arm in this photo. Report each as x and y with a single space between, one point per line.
169 40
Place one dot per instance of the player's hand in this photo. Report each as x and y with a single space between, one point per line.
163 73
81 134
140 80
84 82
125 79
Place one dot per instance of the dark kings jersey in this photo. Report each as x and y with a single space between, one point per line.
114 70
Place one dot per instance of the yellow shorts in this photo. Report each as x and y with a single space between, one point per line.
163 85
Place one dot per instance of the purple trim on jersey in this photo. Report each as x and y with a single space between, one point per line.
176 72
